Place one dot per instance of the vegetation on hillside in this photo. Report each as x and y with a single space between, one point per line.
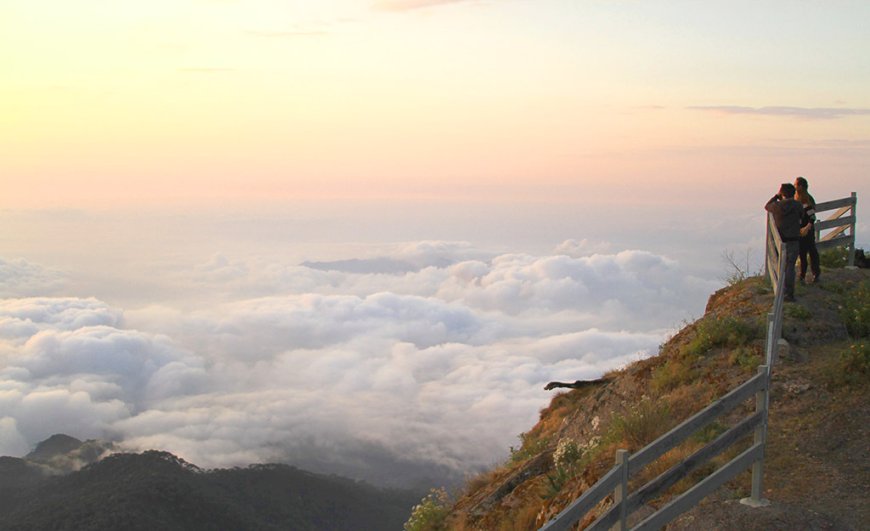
575 440
156 490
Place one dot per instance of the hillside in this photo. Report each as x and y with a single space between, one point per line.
817 471
156 490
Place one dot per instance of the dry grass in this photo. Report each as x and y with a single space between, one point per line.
640 423
699 364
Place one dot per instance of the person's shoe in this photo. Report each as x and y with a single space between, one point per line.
789 298
802 280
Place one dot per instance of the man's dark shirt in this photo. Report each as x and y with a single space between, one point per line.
787 215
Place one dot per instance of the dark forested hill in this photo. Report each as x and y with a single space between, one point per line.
156 490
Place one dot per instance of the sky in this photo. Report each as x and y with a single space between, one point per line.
360 236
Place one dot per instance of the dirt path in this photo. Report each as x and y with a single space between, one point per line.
817 471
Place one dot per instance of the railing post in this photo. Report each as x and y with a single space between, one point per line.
620 493
766 244
770 346
762 403
851 261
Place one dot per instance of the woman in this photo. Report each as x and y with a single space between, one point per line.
807 241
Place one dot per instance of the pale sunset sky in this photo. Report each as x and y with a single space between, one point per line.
111 103
359 236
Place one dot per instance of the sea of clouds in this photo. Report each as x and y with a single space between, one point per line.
420 364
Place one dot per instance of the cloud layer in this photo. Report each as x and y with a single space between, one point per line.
408 5
20 277
422 372
807 113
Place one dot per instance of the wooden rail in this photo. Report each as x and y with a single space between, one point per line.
840 225
774 256
616 480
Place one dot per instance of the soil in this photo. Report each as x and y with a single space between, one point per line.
817 467
817 463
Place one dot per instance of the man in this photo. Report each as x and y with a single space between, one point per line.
787 215
807 242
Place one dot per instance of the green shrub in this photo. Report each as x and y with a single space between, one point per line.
796 311
430 514
566 460
529 447
835 257
851 367
671 375
567 454
641 423
856 360
855 310
745 357
722 332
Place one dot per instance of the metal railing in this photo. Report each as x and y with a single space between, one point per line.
840 231
839 227
615 482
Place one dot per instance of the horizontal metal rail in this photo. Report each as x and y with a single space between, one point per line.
667 479
691 497
606 485
847 202
655 449
582 505
616 480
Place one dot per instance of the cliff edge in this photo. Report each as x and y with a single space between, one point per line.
817 466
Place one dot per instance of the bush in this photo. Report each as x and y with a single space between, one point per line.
851 367
722 332
856 360
671 375
834 258
430 514
566 459
641 423
529 447
855 310
567 454
745 357
796 311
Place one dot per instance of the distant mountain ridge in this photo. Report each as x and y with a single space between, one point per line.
158 490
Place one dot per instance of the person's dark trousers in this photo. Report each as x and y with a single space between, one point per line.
791 256
807 246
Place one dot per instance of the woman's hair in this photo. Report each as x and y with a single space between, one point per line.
800 181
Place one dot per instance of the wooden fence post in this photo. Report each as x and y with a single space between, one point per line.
762 404
770 346
620 493
851 262
766 244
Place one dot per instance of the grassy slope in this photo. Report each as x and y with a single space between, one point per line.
817 466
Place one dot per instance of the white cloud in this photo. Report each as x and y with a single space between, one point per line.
11 440
23 318
424 372
584 247
20 278
408 5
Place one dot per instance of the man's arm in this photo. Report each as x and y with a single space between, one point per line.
772 204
